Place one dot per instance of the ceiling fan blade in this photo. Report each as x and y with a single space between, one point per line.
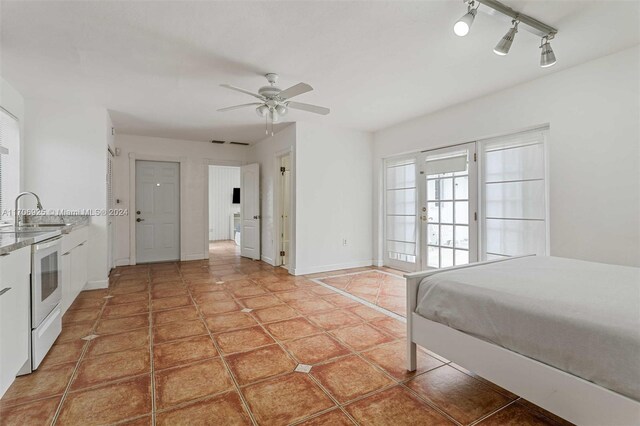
239 106
296 90
307 107
238 89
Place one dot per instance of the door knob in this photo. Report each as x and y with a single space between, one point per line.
139 220
255 217
138 212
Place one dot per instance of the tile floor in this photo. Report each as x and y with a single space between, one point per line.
386 289
217 342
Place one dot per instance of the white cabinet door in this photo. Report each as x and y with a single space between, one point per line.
67 294
15 324
79 268
74 266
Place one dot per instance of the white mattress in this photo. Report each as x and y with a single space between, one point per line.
580 317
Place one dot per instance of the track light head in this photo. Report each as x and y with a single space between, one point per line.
462 27
503 46
547 57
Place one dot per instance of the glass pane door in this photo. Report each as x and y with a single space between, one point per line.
514 195
400 213
448 207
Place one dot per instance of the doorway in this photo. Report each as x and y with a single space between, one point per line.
224 205
157 211
284 211
448 206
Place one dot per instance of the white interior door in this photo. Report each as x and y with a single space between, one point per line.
448 206
250 211
157 211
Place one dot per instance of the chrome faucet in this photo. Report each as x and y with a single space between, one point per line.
17 216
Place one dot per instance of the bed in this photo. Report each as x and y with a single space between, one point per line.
562 333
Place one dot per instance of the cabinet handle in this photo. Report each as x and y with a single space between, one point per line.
4 290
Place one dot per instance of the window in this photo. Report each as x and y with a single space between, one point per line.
514 195
400 213
9 161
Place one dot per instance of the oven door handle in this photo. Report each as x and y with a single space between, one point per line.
49 243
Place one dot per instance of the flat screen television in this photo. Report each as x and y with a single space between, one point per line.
236 196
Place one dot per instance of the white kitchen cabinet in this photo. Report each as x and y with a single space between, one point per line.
78 268
15 321
74 266
67 296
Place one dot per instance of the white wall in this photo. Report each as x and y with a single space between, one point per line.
222 180
65 164
266 153
594 115
196 157
333 198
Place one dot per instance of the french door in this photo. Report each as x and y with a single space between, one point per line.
447 202
436 199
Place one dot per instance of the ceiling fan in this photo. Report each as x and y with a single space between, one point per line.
275 102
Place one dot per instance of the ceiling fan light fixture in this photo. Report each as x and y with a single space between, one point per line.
463 25
547 57
262 111
275 117
503 46
282 109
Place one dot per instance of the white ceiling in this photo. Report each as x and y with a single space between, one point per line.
157 66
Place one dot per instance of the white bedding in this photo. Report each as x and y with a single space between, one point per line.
580 317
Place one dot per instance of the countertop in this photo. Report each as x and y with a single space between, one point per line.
12 241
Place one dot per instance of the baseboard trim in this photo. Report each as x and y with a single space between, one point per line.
268 260
123 262
95 285
378 263
334 267
190 257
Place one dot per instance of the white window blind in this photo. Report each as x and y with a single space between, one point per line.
400 211
9 160
514 195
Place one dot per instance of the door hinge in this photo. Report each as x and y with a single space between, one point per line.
282 253
475 156
282 170
475 216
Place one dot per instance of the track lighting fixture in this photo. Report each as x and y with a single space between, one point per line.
532 25
547 57
503 46
462 27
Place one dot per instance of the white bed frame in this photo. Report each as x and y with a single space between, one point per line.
568 396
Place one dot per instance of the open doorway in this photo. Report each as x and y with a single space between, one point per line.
224 211
284 211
